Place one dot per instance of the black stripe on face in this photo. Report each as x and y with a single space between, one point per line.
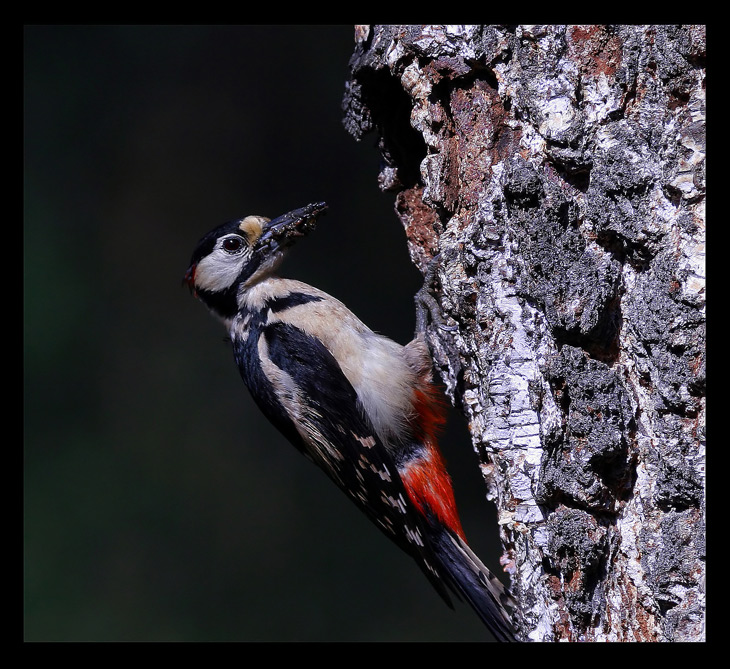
223 303
278 304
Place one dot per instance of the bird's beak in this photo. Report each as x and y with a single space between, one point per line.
283 231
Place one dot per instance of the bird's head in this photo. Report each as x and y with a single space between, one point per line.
239 253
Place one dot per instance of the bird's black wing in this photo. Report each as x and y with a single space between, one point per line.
301 388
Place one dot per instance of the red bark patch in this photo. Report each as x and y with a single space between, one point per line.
594 49
420 223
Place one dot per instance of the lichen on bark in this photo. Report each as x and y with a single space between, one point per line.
557 173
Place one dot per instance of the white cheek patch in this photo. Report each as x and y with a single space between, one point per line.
218 271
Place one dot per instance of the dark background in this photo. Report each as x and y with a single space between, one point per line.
158 504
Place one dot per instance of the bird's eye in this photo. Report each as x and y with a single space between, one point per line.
232 245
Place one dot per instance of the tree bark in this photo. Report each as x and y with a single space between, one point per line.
556 173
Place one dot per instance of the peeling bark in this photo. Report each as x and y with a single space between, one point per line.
558 174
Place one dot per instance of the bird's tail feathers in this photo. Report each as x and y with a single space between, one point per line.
473 582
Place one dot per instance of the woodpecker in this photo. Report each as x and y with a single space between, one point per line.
360 406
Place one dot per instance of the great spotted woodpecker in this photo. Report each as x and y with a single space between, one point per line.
357 404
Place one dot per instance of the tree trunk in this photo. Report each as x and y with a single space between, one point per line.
557 173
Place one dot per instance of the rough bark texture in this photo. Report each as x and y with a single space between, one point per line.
558 171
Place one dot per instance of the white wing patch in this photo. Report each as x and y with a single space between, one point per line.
304 417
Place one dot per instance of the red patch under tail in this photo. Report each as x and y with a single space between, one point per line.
427 482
